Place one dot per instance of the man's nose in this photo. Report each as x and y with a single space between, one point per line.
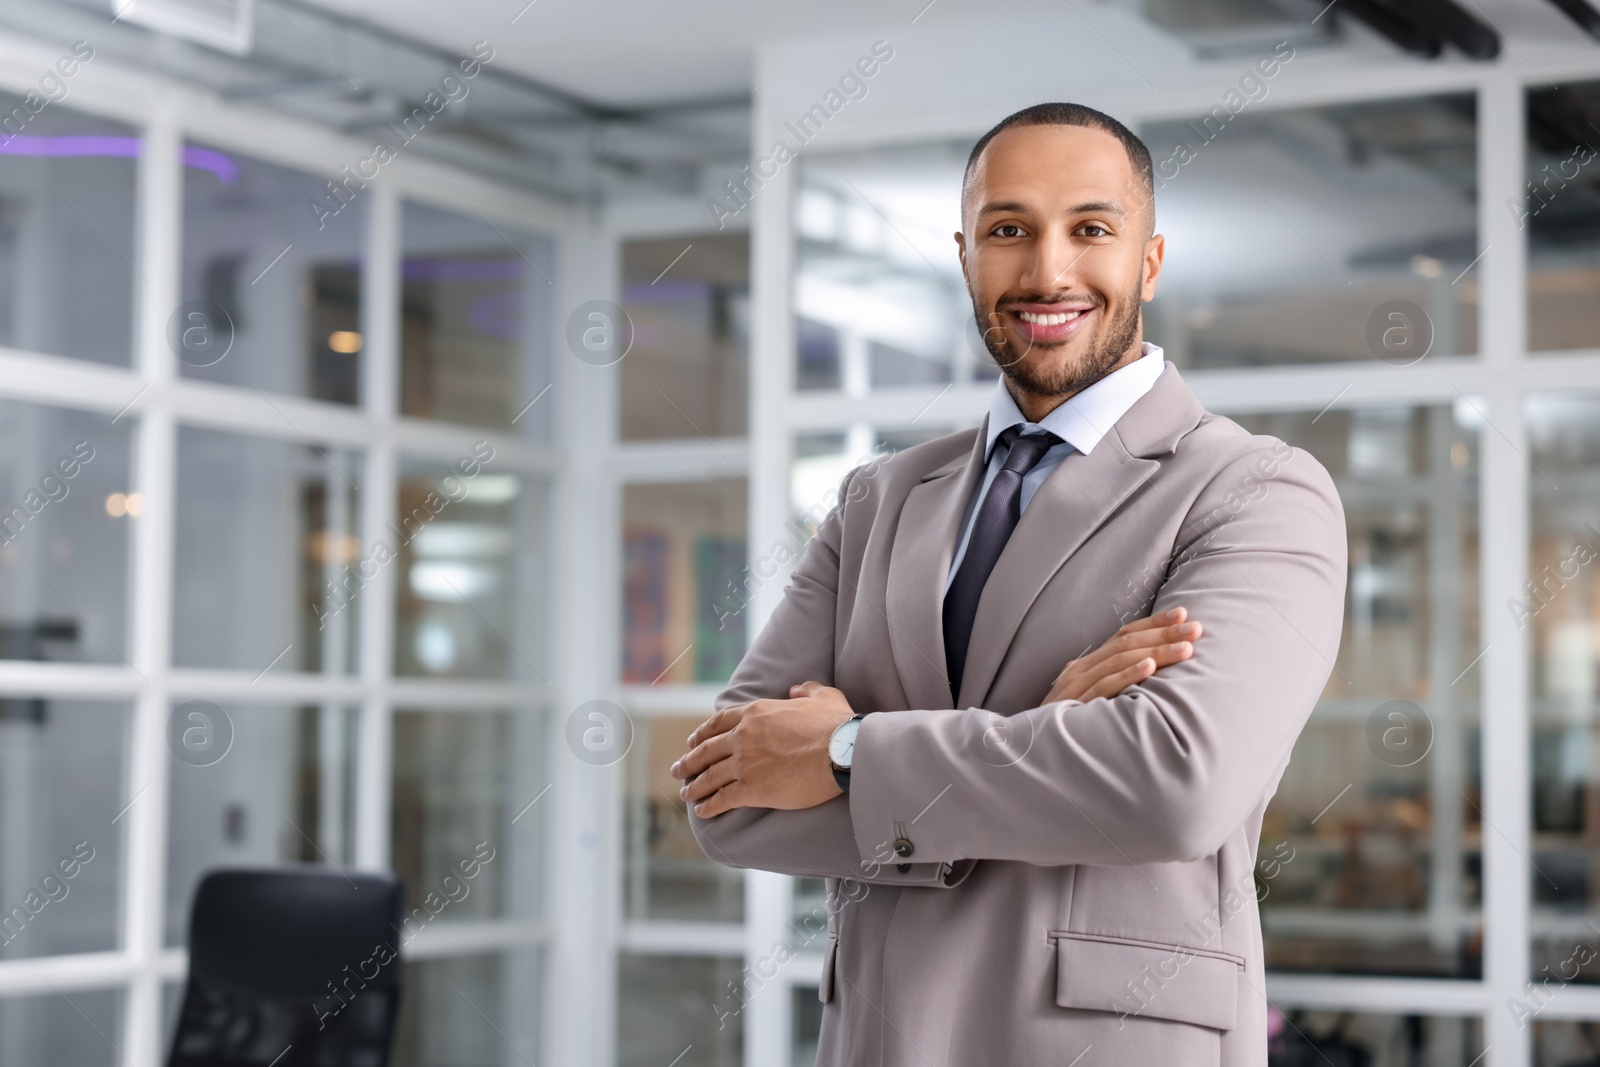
1055 255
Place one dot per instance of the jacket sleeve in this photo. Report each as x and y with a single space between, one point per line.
1169 768
797 645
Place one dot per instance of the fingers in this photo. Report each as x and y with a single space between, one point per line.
805 689
719 723
1163 655
1170 617
707 782
727 798
703 755
1151 636
1087 678
1118 672
1113 684
1160 618
1144 635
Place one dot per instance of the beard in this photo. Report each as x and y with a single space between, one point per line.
1050 378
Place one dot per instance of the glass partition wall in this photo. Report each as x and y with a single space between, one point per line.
274 568
1431 899
206 659
683 491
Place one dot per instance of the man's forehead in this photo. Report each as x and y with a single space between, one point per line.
1003 206
1025 165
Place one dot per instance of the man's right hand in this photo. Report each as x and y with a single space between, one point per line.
1128 657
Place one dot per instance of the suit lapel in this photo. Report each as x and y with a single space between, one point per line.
919 566
1071 504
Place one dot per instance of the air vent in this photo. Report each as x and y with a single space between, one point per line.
224 24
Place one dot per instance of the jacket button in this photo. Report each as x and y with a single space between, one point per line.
903 847
903 868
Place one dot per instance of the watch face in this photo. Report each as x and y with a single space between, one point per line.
842 745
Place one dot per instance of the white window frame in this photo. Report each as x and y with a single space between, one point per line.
158 401
627 463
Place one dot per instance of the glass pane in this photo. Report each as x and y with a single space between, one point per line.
271 277
1560 609
64 534
269 524
879 299
67 245
1316 1037
471 548
668 874
77 1027
63 765
817 470
470 1011
807 1014
1565 1042
821 461
476 304
1371 851
1361 225
465 783
171 1006
817 356
684 586
810 904
682 1007
255 784
1560 212
688 299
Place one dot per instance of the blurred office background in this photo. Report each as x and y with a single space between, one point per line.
362 524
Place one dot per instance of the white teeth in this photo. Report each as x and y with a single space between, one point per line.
1058 318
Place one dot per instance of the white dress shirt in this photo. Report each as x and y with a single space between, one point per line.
1080 422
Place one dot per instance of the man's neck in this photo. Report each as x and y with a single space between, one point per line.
1035 406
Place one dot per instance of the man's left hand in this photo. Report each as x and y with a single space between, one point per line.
765 754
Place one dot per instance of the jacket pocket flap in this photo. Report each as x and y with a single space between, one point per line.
1137 979
829 962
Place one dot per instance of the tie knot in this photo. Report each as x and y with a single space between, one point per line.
1026 450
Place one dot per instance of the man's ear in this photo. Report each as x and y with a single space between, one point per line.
1155 251
961 252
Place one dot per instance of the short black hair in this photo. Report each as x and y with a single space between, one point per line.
1060 114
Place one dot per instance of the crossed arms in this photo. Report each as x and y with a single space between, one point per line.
1164 770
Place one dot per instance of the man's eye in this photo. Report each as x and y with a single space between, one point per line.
1100 230
1008 230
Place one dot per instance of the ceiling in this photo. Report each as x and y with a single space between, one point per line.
639 52
616 97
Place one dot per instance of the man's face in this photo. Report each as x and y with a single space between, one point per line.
1054 251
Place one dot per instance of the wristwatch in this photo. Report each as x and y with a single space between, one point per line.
842 750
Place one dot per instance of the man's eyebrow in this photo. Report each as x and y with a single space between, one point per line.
994 207
1111 207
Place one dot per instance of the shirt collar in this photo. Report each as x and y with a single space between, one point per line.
1087 416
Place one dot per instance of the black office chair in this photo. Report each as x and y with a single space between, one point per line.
291 967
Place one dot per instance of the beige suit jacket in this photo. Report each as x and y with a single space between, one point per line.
1073 878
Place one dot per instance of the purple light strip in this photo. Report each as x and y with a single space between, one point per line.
226 170
223 166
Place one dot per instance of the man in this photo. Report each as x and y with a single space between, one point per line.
1027 868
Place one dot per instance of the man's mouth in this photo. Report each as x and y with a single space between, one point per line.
1049 325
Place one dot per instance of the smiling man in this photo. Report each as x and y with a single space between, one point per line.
1030 864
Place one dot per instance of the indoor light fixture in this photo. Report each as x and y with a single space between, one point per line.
346 341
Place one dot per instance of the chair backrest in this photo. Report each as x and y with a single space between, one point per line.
291 965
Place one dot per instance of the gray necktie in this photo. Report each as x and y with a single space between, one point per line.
997 516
